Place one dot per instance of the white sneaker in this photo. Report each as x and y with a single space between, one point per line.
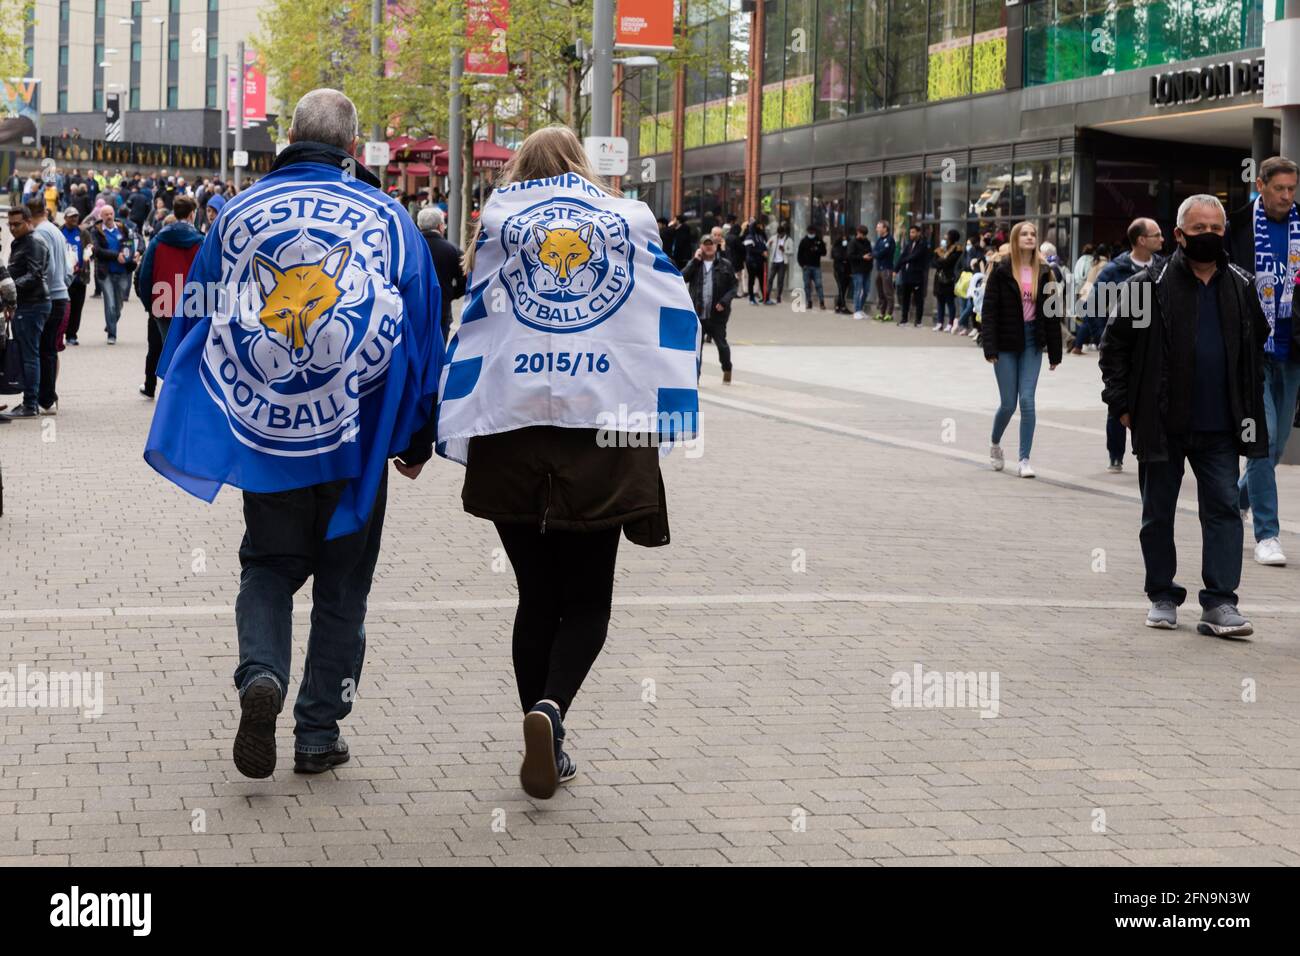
947 328
1025 470
1269 552
995 457
859 316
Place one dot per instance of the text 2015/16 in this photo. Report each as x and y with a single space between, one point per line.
570 362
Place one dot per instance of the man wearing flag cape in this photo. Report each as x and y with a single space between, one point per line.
573 366
303 354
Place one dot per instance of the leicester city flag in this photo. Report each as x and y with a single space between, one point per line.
574 317
306 348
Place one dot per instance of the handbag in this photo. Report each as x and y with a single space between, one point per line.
963 284
11 365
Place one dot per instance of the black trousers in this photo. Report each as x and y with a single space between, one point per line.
843 286
566 586
76 299
1213 457
157 336
50 354
907 295
715 327
755 273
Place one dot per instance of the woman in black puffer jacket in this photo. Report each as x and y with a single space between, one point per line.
1019 321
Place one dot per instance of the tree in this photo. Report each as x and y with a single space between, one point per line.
15 15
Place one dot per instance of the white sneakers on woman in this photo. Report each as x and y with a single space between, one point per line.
995 457
1025 470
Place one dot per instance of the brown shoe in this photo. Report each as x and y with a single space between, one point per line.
726 377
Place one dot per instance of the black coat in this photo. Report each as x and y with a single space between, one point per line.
858 248
682 245
28 261
812 249
735 247
913 261
1135 362
724 286
451 277
1002 320
104 255
946 263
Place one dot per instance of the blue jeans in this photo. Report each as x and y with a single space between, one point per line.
1213 457
1017 375
1116 438
947 305
967 315
284 544
29 323
812 276
860 290
1257 488
116 286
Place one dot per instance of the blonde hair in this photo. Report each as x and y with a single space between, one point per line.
1018 259
551 151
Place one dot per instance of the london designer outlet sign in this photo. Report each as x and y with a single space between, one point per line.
1213 82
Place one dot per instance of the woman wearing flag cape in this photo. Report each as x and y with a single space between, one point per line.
573 366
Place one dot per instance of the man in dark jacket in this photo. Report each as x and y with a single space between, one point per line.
811 252
860 266
160 280
712 284
446 261
840 240
913 263
28 261
1182 360
682 242
139 205
1264 240
735 248
882 258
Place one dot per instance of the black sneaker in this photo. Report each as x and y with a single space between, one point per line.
259 705
145 392
319 763
71 340
545 765
22 411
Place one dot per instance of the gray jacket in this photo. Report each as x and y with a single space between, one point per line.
56 266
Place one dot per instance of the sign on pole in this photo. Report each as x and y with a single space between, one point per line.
1281 47
239 157
486 22
644 25
377 153
608 154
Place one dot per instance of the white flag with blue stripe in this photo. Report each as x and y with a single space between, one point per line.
574 317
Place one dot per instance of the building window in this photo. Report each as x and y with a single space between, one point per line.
137 8
135 98
213 6
29 57
63 55
97 100
171 97
907 53
99 54
212 96
135 51
63 11
175 6
63 101
213 45
173 49
867 52
99 9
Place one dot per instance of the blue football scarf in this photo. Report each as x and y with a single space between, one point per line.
574 318
307 346
1275 281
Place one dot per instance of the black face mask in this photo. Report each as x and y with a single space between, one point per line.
1205 247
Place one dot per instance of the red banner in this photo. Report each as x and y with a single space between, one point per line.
254 92
486 22
644 25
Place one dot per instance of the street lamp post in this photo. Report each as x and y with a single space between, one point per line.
602 67
162 74
1291 114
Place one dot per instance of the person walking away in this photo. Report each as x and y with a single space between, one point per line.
947 258
1145 241
812 250
913 260
883 252
683 242
446 261
1264 239
1186 377
27 268
712 285
78 243
57 275
843 270
860 266
160 280
755 243
558 477
114 262
782 252
334 303
1016 328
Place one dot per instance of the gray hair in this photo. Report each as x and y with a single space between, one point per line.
430 217
325 116
1202 199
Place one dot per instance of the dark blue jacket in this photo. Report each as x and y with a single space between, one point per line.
882 252
913 262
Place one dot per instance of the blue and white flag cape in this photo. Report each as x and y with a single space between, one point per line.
574 317
307 347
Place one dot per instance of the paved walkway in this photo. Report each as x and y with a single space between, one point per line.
839 530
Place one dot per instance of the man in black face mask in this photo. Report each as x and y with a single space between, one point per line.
1182 362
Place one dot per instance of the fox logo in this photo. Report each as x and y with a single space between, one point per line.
564 252
297 302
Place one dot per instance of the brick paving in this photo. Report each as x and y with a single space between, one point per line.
832 534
